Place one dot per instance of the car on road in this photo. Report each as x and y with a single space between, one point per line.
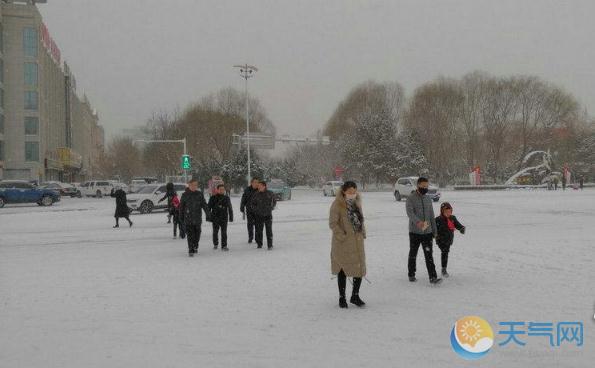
138 182
280 189
97 188
16 191
331 188
146 200
406 185
65 189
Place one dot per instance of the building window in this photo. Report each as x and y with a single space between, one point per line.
30 42
31 100
31 151
31 126
31 74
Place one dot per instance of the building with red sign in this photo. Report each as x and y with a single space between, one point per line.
47 131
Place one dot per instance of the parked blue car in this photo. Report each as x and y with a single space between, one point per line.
15 191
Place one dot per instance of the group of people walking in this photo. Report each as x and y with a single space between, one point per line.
346 221
185 213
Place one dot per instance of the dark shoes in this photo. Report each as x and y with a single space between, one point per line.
131 223
224 249
215 246
116 226
412 279
270 247
259 246
435 281
342 302
355 299
444 273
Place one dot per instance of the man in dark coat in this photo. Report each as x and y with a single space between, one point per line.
122 209
422 229
245 207
262 205
446 224
191 206
221 213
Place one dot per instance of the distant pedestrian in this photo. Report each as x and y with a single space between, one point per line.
563 182
169 194
191 206
422 229
176 217
446 224
122 209
245 208
348 257
262 204
581 182
221 214
556 181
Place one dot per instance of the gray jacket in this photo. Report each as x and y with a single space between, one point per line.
419 208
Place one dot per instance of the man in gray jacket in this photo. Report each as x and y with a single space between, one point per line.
422 229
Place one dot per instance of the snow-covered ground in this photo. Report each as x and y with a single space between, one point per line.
76 293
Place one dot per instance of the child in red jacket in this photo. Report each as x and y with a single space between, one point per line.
446 224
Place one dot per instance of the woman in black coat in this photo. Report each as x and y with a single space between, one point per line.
122 209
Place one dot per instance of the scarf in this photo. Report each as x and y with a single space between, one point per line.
354 216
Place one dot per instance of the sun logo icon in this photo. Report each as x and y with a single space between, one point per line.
472 337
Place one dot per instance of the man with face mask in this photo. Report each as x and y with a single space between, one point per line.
422 229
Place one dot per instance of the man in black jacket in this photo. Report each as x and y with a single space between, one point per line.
221 212
262 205
191 205
245 207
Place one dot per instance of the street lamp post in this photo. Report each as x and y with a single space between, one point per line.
247 72
183 141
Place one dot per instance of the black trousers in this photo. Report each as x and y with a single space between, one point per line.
425 240
251 224
261 223
444 248
193 235
178 225
223 226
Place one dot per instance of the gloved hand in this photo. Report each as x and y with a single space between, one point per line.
463 230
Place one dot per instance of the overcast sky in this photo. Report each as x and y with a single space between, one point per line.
134 57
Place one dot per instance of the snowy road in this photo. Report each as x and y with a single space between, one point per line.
77 293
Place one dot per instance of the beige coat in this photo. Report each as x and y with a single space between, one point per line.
347 251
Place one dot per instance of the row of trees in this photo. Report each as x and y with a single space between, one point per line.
449 126
378 134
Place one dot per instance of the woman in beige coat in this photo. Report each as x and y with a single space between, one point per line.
348 258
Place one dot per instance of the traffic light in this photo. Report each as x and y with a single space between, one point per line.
186 162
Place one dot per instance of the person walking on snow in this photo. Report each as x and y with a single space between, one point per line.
191 206
446 224
348 257
175 202
122 209
245 207
169 195
422 230
221 212
262 204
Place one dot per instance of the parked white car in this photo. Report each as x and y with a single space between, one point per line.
405 186
97 188
331 188
146 200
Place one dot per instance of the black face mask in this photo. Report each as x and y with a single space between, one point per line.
422 190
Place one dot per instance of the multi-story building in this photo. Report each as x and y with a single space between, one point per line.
47 132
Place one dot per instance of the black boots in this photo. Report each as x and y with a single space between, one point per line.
342 283
342 302
355 299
